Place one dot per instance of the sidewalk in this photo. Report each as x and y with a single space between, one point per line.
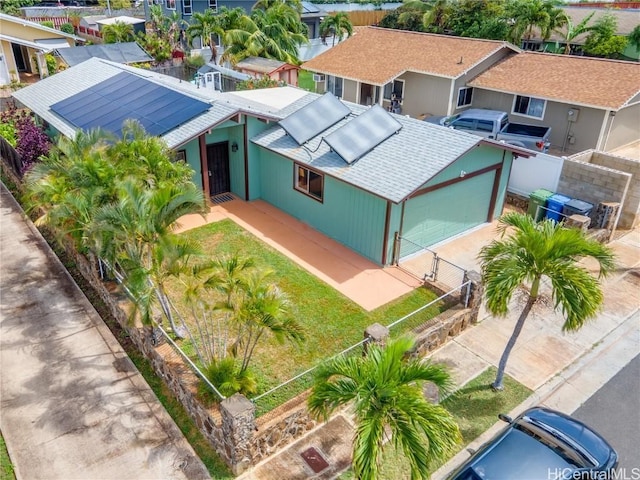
72 404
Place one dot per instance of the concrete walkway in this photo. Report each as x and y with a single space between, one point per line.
72 404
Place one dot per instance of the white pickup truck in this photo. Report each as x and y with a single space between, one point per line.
495 124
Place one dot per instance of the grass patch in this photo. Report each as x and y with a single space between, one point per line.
475 408
331 321
6 467
305 80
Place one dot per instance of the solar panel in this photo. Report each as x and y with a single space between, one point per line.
315 117
126 96
363 134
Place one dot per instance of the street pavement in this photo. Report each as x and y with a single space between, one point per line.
72 404
614 412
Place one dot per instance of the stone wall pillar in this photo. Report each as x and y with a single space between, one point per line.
238 426
476 292
377 334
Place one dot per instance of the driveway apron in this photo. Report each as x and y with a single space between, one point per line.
73 405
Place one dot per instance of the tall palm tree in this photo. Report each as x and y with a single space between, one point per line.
204 25
336 25
534 251
266 4
526 15
385 387
436 16
118 32
571 32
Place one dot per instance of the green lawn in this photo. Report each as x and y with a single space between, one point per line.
475 408
305 80
6 468
330 320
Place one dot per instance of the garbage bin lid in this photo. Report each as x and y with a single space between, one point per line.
541 194
559 198
578 205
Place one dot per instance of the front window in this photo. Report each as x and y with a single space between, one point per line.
529 106
464 97
334 85
171 4
187 7
309 182
213 5
394 90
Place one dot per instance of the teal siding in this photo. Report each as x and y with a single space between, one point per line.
443 213
476 159
192 153
502 187
254 127
394 227
348 215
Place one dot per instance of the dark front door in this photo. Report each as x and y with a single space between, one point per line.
218 163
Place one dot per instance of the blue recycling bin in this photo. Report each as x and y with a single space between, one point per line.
555 205
577 207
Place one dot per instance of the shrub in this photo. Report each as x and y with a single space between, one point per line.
226 377
47 23
8 131
67 28
32 142
194 61
255 83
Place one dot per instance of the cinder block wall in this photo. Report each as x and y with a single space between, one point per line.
593 183
608 163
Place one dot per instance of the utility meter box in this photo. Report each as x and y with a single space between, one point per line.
572 114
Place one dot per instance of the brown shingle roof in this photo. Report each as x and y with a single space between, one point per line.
378 55
586 81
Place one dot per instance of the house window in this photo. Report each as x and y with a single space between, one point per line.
394 90
213 5
464 96
171 4
334 85
529 106
309 182
187 7
181 156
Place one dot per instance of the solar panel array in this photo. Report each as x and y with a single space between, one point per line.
363 134
126 96
315 117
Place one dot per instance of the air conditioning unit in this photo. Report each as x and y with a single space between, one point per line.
318 78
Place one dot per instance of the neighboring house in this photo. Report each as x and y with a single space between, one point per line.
589 103
359 175
311 15
626 21
23 45
138 24
266 67
126 53
426 73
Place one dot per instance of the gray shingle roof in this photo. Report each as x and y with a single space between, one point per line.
127 52
393 170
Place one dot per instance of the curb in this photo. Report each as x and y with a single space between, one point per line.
620 344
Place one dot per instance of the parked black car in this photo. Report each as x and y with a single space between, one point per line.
541 444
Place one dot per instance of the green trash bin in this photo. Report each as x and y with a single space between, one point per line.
537 202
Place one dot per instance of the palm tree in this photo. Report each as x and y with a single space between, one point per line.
532 252
118 32
436 16
274 33
336 25
385 387
572 31
266 4
204 25
529 14
135 234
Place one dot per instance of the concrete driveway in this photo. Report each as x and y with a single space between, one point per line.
72 404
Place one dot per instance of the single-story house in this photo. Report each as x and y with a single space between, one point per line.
126 53
266 67
589 103
626 20
426 73
362 176
23 44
